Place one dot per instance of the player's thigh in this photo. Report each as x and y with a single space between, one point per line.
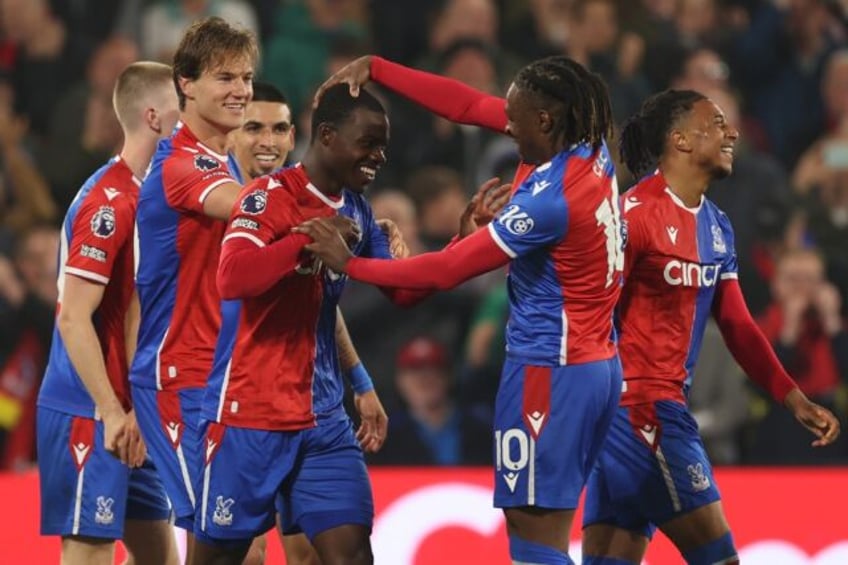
612 528
549 425
241 477
83 487
697 528
330 487
81 550
151 542
298 550
256 552
169 424
148 534
540 525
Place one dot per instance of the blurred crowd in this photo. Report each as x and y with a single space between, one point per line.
778 68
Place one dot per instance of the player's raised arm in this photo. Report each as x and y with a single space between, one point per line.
445 97
754 353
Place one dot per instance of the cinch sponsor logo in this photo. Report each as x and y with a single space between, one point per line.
678 273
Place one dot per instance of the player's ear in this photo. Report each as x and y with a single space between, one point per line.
326 133
680 141
187 87
153 121
546 121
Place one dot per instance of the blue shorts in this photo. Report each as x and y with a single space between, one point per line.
169 423
315 478
550 423
653 468
85 490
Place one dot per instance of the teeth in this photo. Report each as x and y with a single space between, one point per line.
266 158
369 172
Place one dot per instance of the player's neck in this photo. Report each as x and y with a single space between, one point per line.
206 132
688 187
319 177
136 153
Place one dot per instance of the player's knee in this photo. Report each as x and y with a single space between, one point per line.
356 555
721 550
532 553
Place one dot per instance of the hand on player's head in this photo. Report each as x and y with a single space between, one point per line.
355 75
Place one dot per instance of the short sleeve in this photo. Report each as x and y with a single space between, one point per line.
536 216
188 178
262 213
100 229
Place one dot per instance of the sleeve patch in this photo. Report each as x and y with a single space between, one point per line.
103 222
245 223
91 252
255 202
516 221
205 164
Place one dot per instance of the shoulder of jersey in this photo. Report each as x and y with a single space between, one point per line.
643 196
114 188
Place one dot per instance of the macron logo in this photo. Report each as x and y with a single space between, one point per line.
80 451
272 184
511 479
649 433
630 203
539 186
536 421
173 432
672 233
111 193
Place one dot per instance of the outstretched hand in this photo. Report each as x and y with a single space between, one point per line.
327 243
355 75
374 423
815 418
489 199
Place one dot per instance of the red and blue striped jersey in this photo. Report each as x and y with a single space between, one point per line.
96 245
562 231
675 256
177 251
276 365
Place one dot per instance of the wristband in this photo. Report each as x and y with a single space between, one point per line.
359 379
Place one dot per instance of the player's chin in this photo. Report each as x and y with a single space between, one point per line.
722 170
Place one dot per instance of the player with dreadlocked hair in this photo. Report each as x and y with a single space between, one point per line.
680 265
560 233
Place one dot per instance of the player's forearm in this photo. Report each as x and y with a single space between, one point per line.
442 270
83 347
246 270
748 344
348 357
445 97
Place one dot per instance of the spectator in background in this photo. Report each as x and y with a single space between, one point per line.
440 198
821 177
165 21
596 42
24 194
485 347
778 58
47 58
398 207
295 59
429 427
84 131
718 398
808 334
28 295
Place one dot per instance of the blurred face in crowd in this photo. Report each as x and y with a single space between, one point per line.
704 69
22 18
107 63
473 68
423 387
476 19
263 142
835 86
799 274
599 25
399 208
36 261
